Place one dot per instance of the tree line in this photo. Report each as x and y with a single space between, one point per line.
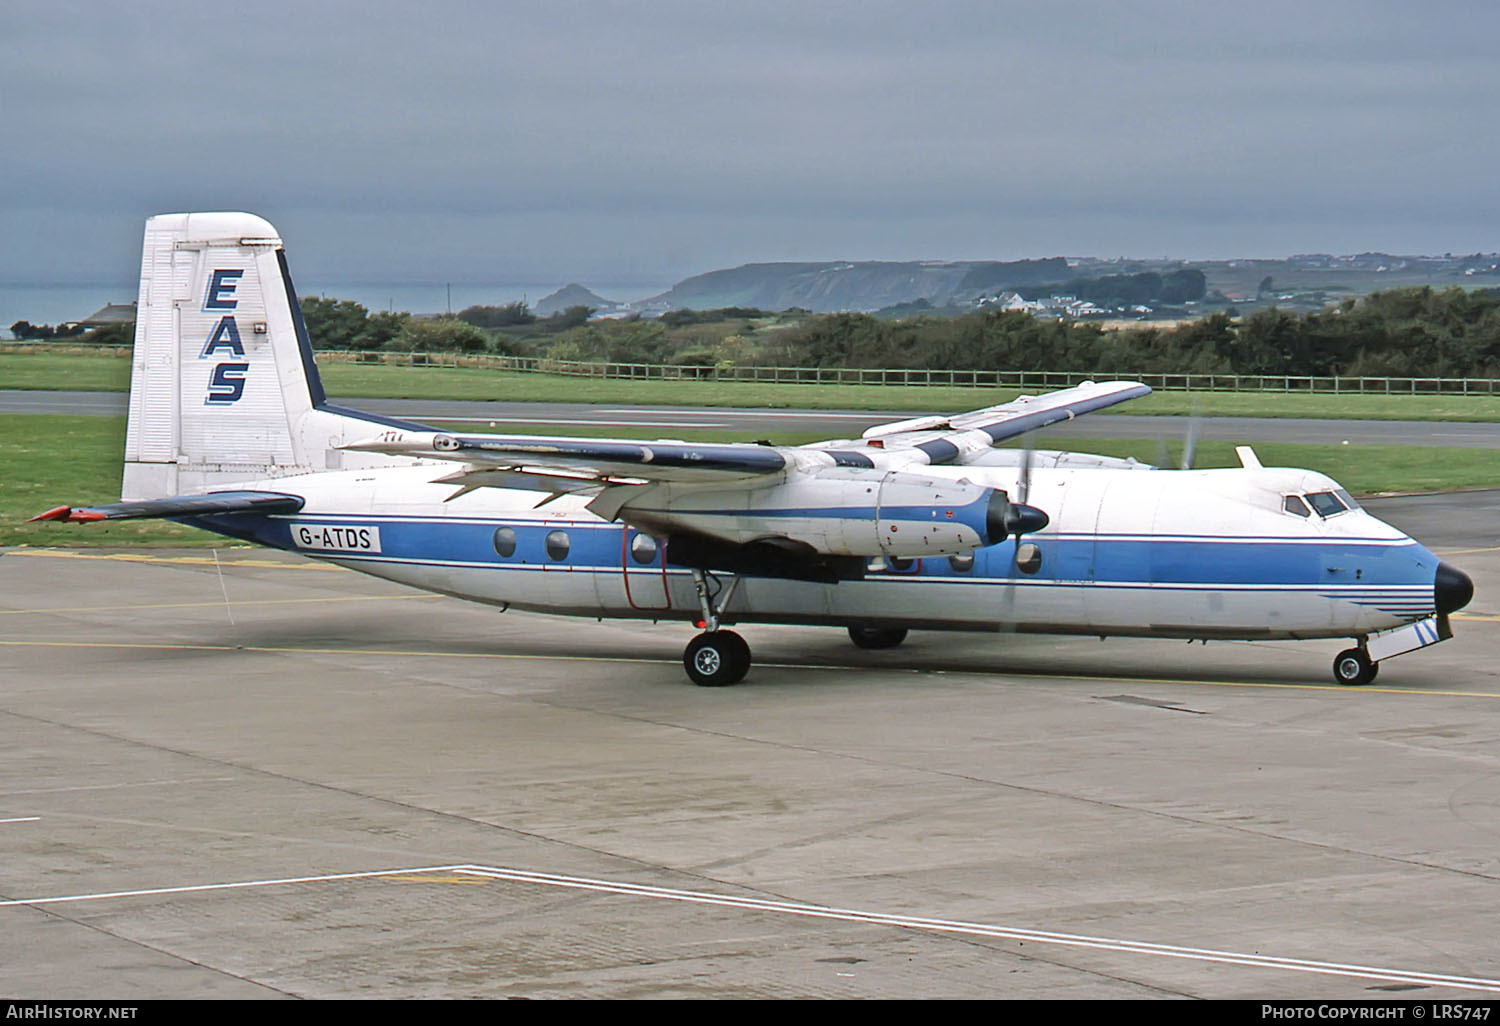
345 324
43 332
1416 332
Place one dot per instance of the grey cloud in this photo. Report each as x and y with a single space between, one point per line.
585 137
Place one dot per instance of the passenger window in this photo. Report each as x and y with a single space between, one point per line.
1028 558
1294 504
1326 503
557 545
643 548
900 564
505 541
962 564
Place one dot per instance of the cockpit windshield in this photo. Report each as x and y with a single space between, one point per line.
1327 504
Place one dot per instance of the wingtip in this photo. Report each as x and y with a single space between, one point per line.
68 513
58 513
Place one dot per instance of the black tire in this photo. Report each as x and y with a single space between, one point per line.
1352 668
877 637
715 659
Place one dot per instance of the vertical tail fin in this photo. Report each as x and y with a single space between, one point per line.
223 387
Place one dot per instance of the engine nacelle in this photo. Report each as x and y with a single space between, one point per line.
843 511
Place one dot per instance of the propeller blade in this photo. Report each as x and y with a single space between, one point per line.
1020 518
1190 446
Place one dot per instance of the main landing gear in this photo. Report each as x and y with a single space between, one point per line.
1354 667
716 657
877 637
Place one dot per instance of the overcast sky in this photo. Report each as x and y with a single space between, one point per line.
521 141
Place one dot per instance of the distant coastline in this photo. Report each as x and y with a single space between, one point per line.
43 303
1300 283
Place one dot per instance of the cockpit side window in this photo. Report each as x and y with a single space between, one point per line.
1294 504
1346 499
1326 503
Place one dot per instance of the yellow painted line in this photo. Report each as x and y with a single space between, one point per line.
219 604
540 657
131 557
1467 552
468 881
1485 617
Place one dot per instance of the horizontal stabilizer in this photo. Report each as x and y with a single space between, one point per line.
212 504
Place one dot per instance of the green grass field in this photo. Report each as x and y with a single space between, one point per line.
350 381
48 461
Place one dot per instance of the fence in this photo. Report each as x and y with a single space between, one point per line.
902 377
921 377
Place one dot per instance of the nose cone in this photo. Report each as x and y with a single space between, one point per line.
1451 589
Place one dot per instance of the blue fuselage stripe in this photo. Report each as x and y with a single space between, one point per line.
1399 574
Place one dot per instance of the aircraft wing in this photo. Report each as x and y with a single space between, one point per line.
1018 416
599 459
211 504
568 463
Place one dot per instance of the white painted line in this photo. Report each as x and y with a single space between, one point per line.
240 885
21 819
990 930
1208 955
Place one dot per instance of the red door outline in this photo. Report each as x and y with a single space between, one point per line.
645 583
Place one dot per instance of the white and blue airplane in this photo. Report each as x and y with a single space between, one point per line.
919 524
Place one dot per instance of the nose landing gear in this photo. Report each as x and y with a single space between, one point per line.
1354 667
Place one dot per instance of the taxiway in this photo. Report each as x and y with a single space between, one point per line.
244 774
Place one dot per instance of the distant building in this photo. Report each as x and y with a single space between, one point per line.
1011 301
110 313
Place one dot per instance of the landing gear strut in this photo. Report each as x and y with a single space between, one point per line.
1354 667
716 657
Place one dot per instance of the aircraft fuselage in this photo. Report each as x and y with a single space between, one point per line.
1191 554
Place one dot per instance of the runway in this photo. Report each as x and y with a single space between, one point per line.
243 774
538 418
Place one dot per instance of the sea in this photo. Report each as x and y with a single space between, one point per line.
58 303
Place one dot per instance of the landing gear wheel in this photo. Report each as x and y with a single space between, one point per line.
715 659
877 637
1353 667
